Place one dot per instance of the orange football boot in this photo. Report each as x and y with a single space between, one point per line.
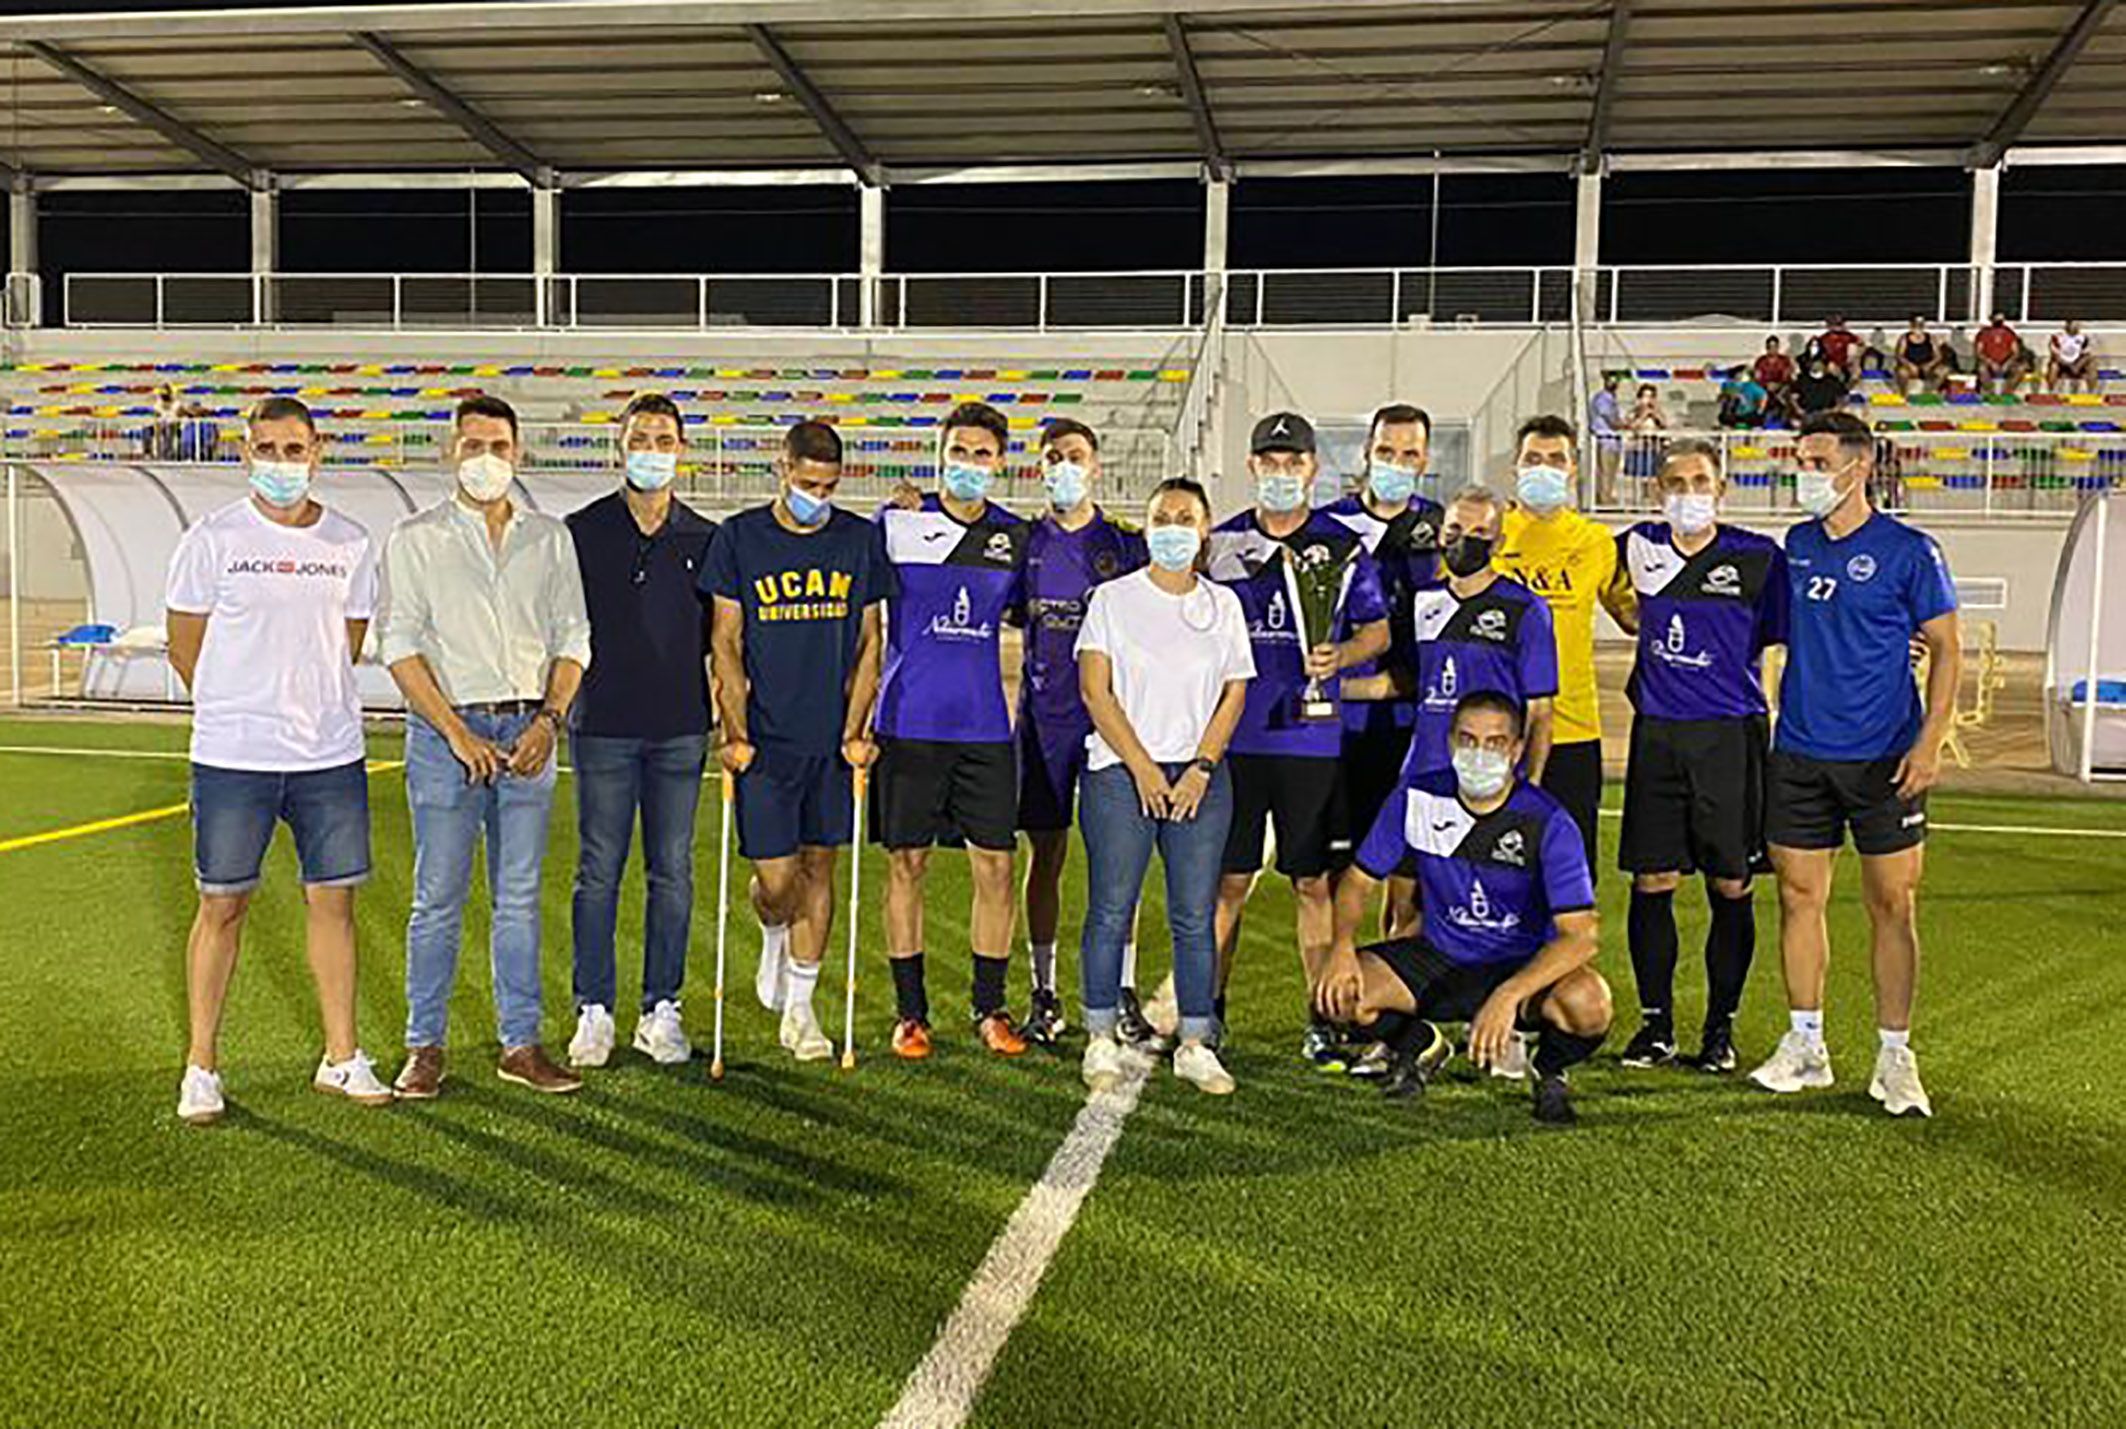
911 1039
999 1036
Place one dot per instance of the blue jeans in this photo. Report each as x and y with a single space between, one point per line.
449 818
234 811
1118 849
615 777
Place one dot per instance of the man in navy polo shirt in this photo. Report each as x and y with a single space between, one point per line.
1856 748
641 731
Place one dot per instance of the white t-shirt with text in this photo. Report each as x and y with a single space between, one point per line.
1171 655
275 688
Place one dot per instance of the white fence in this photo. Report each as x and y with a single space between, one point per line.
1787 295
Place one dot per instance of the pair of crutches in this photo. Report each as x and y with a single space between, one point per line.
723 918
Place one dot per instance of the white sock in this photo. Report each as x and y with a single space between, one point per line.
1044 967
775 937
1809 1025
1129 965
798 981
1894 1041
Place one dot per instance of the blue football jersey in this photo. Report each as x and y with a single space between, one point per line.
1704 621
1062 567
1499 639
944 674
1406 552
1491 886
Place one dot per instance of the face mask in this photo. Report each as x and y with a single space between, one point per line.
651 471
1391 485
1690 512
964 482
1279 492
1542 489
1173 548
485 477
1466 555
1066 482
281 483
1817 491
1482 773
805 508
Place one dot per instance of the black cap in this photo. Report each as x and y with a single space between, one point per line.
1282 432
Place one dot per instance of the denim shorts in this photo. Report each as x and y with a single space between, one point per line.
234 811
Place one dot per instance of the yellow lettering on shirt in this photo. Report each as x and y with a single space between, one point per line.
1569 561
804 593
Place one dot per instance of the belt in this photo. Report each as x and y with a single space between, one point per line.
503 707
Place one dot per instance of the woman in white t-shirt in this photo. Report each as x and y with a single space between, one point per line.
1163 664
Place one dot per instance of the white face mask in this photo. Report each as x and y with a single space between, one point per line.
1817 491
1691 512
1482 772
486 477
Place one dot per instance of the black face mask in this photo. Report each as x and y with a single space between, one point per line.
1466 555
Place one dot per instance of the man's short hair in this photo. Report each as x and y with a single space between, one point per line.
812 441
979 415
1479 494
1683 448
279 409
1852 433
1546 424
1056 428
652 404
484 405
1498 701
1396 414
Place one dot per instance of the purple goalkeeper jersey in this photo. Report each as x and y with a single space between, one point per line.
1062 567
944 675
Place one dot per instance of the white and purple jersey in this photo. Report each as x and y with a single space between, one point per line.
1406 551
1500 639
1251 563
1491 885
1062 567
1704 621
944 675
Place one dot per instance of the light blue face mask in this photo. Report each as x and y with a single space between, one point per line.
1280 491
281 483
651 471
964 482
1173 548
1067 483
1543 489
1390 484
805 508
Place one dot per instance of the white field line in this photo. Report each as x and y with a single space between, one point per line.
941 1392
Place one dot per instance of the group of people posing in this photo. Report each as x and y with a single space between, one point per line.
1402 692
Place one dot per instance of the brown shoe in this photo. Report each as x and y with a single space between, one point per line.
531 1067
999 1036
421 1079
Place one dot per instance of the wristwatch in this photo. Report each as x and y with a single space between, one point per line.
1208 766
551 716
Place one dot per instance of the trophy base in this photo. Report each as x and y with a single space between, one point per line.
1318 712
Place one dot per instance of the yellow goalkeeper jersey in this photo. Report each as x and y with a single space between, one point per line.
1571 562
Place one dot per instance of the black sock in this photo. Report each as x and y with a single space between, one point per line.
1218 1008
989 983
1730 945
1651 929
1556 1050
909 997
1397 1029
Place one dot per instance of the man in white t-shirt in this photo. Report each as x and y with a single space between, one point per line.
269 599
2071 359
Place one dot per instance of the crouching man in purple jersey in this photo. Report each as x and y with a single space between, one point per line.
946 767
1070 550
1510 930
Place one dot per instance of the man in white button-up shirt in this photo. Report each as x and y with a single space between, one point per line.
482 624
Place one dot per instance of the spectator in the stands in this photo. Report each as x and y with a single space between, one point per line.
1922 359
1605 419
163 440
1742 400
2071 359
1644 443
1820 387
1842 347
2002 360
1774 371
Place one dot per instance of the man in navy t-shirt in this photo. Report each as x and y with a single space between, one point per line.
947 770
798 588
1074 546
1709 598
1510 929
1856 747
1287 771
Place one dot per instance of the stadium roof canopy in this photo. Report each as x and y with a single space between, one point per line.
617 91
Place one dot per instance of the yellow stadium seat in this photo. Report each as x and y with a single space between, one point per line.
1951 453
1923 483
1978 426
605 372
2076 454
1174 374
490 370
2084 399
1748 453
1886 399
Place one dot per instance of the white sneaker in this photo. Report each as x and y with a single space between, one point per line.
1104 1067
1196 1063
801 1034
1513 1066
593 1042
354 1079
1794 1065
1896 1083
774 960
199 1097
1162 1011
661 1036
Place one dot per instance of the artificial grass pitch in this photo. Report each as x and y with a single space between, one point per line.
782 1248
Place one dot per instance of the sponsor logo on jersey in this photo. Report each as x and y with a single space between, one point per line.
271 566
1861 568
958 625
1511 849
1723 580
1674 647
999 548
1479 915
1491 624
